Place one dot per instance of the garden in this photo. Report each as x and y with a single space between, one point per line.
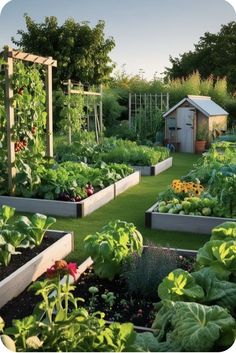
85 263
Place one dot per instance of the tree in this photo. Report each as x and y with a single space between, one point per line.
215 54
82 52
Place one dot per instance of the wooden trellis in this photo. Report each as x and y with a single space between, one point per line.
98 121
146 102
11 55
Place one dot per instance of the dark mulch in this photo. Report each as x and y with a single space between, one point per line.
26 255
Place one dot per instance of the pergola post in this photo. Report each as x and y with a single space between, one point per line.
69 117
100 112
49 124
10 123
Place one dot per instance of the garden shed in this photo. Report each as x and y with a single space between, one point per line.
192 119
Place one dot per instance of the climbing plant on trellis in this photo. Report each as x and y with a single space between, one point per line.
28 111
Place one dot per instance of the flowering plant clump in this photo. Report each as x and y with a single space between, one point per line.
62 267
190 188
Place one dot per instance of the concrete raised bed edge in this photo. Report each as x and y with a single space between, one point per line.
72 209
16 283
182 223
155 169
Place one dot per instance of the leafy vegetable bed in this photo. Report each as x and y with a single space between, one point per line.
73 208
155 169
181 222
111 150
200 200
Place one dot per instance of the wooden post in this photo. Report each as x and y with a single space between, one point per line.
96 122
167 101
49 127
130 123
10 123
100 112
69 117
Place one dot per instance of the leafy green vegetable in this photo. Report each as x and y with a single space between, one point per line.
219 256
225 231
216 291
180 285
110 247
36 227
193 327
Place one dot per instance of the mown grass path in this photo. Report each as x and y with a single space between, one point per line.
131 206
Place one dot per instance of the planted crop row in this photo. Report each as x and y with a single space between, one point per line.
111 151
209 189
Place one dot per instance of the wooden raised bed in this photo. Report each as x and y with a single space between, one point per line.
155 169
182 223
126 183
14 284
72 209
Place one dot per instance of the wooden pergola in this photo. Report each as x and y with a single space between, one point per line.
11 55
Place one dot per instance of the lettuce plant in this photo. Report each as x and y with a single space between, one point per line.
180 285
225 231
110 247
193 327
220 256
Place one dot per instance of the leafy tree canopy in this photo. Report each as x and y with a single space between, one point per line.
215 54
82 52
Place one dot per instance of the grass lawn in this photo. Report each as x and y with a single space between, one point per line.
131 206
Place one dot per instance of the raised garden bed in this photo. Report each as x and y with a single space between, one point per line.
62 244
68 208
136 309
155 169
182 223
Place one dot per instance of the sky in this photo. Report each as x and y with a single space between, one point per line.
146 32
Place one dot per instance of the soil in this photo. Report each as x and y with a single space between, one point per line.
126 308
26 255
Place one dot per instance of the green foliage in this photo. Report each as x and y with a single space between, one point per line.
216 290
144 273
82 52
112 150
180 285
225 231
20 232
56 327
209 57
72 113
193 327
220 256
223 185
111 108
110 247
219 155
36 227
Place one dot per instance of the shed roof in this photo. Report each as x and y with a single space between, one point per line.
202 103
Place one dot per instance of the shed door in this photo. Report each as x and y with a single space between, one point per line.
185 126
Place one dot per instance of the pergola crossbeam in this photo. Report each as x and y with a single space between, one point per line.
15 54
